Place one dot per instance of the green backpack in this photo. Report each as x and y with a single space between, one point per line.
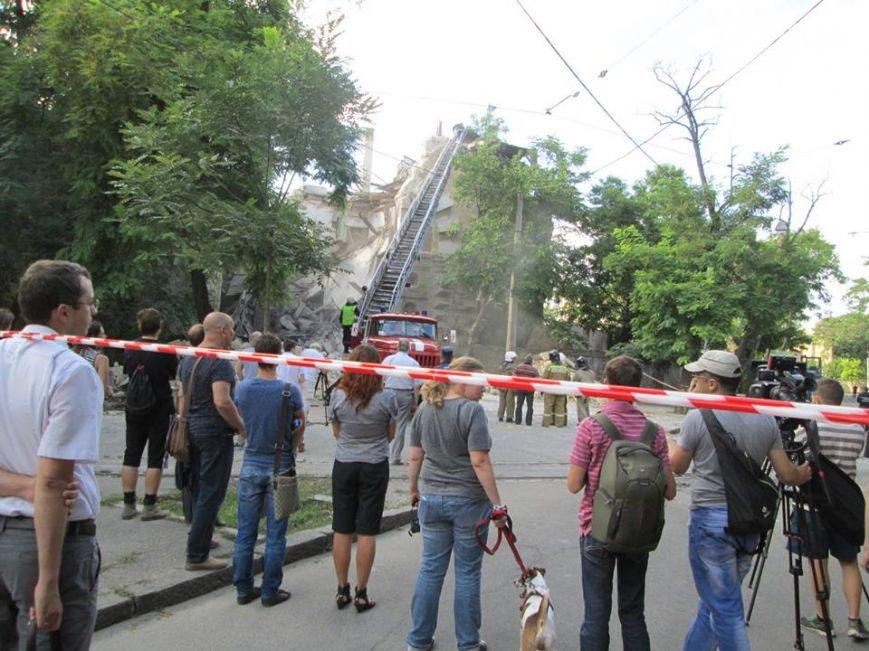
628 507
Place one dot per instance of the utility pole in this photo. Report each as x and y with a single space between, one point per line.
512 325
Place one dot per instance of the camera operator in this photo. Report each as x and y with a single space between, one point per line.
719 560
841 443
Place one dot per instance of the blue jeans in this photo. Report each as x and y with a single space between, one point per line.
448 529
211 461
598 566
718 567
254 497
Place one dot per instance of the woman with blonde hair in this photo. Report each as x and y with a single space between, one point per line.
363 422
449 453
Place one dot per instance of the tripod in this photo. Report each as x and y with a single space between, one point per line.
798 508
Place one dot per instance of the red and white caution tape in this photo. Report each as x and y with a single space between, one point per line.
634 394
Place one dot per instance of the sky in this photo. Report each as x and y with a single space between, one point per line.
447 60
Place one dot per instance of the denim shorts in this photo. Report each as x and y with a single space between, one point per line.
818 541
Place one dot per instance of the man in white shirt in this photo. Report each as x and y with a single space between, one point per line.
50 418
406 391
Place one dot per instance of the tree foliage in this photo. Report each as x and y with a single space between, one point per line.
156 140
491 178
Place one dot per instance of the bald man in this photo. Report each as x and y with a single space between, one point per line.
212 419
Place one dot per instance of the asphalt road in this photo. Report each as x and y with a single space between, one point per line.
531 463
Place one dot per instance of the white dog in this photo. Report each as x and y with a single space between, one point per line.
538 620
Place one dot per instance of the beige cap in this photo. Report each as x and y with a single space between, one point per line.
717 362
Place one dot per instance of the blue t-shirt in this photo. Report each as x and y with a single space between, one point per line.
202 415
259 402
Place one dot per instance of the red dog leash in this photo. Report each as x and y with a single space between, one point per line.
505 532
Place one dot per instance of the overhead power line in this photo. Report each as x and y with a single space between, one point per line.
582 83
720 86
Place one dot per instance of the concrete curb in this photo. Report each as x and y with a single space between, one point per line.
305 544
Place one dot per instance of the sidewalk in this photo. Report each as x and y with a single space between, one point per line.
143 562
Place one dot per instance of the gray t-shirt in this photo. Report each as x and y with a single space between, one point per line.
363 433
202 415
448 435
754 433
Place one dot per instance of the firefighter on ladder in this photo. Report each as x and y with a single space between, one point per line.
555 407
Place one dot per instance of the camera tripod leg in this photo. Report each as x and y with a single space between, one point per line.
759 565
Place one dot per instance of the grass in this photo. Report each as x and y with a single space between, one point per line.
312 514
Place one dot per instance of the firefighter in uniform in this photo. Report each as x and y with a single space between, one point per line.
555 407
582 374
349 312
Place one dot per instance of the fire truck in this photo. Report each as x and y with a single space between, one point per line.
383 330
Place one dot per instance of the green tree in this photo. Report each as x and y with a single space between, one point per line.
491 178
846 335
847 369
167 135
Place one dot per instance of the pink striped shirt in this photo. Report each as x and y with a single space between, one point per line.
592 442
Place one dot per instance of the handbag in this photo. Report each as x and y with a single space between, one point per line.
285 487
177 438
752 497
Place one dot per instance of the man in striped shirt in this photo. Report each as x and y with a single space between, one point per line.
841 444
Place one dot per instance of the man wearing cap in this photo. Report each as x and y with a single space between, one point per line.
506 397
719 561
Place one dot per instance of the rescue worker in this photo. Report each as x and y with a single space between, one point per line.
582 374
349 313
446 357
555 407
506 397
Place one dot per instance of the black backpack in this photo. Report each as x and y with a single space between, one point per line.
837 497
752 497
140 393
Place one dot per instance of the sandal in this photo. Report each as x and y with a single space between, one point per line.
342 599
362 602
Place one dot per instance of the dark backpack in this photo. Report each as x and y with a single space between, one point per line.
628 507
752 497
140 393
837 497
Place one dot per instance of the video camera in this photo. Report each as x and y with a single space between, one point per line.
782 377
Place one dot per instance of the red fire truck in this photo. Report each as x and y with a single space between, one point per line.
383 331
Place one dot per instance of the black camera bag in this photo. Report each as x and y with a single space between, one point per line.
751 495
837 497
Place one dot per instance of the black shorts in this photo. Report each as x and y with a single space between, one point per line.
149 427
818 541
358 496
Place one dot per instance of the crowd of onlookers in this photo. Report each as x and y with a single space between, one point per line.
51 405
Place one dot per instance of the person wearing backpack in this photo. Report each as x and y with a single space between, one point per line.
720 559
606 540
841 443
148 407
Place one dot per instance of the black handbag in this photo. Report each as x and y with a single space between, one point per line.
837 497
751 496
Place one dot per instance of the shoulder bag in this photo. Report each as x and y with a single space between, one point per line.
285 487
177 439
752 497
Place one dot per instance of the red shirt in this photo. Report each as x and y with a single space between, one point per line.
592 443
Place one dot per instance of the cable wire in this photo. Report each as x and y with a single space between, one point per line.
582 83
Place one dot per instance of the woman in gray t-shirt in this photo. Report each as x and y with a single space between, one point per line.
363 422
449 452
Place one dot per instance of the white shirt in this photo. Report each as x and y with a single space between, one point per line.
311 373
51 406
400 359
291 374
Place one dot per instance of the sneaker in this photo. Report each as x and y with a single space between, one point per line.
278 598
427 648
816 624
129 512
857 630
151 512
244 599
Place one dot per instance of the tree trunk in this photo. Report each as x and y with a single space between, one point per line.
201 300
267 301
472 332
